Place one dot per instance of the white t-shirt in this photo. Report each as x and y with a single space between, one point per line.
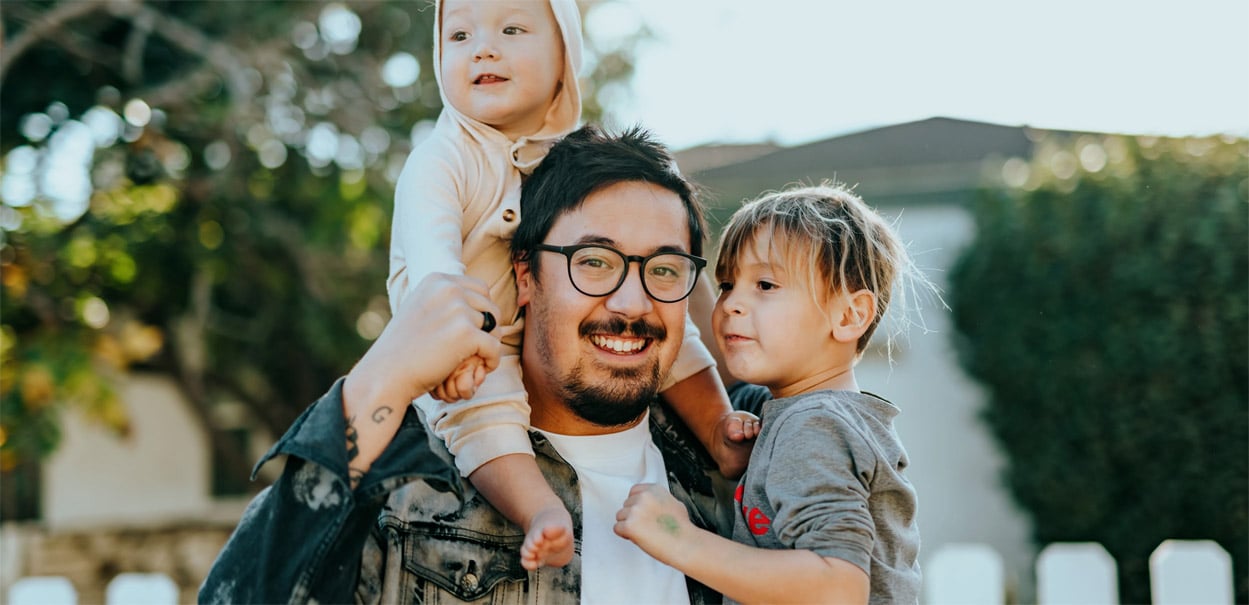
613 569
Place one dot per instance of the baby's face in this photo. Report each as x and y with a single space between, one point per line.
501 61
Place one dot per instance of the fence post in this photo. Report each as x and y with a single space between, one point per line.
1076 573
964 574
43 590
141 588
1190 572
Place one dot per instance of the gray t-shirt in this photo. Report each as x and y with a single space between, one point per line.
826 475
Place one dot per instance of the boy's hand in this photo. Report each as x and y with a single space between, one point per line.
463 382
735 438
655 521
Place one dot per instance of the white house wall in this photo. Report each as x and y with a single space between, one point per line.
955 466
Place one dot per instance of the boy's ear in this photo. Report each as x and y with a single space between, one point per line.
857 311
524 282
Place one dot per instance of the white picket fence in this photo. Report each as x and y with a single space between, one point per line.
1181 572
1197 572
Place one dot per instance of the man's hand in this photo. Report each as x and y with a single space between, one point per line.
437 328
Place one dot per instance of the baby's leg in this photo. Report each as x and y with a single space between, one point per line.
491 445
515 486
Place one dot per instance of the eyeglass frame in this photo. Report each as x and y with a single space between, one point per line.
700 263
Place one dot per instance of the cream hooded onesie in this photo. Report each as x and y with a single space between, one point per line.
457 204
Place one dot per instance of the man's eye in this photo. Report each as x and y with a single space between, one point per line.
594 262
665 271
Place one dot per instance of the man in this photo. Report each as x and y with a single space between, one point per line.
401 525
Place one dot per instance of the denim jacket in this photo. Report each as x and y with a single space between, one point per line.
413 531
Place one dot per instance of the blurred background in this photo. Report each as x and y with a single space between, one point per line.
195 220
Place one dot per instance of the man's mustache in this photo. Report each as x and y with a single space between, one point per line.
619 327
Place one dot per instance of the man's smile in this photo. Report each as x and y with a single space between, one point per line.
619 344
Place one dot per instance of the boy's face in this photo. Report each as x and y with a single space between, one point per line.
769 326
501 62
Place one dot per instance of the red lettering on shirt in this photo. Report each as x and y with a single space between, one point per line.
757 522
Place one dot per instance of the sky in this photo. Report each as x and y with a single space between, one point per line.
795 71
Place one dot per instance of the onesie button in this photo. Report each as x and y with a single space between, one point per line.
509 215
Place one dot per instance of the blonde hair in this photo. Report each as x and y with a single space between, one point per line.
830 234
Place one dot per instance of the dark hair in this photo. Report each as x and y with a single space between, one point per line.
585 161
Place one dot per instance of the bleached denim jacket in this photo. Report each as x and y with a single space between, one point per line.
414 531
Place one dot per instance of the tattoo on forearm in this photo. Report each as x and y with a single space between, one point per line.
668 523
354 475
353 438
381 413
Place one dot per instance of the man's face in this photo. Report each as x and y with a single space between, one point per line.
591 365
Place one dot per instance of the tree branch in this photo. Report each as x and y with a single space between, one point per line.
46 26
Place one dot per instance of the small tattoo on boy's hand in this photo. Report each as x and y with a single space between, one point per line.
668 523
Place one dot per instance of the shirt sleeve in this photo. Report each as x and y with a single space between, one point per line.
691 359
819 484
426 233
302 538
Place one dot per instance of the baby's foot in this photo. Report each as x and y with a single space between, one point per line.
548 540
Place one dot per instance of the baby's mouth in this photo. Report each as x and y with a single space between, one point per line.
489 79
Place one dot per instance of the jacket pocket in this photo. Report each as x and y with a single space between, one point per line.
463 563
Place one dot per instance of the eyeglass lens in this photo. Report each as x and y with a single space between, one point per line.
598 271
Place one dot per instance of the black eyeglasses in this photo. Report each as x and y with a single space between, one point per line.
597 270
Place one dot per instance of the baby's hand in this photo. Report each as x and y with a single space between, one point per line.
463 382
735 438
654 520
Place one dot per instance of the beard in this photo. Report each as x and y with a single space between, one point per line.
620 402
625 395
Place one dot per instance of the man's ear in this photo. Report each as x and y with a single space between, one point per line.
856 314
524 282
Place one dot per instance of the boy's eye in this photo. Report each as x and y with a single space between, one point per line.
767 285
726 286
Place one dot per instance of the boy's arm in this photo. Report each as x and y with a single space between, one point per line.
701 401
659 524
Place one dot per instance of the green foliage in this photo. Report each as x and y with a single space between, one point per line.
1104 306
220 246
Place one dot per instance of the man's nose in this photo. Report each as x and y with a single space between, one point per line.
630 299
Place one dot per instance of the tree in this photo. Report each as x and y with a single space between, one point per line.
1103 305
203 189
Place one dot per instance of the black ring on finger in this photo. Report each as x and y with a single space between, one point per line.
487 321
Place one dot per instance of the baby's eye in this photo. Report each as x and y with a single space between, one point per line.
767 285
458 36
512 30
